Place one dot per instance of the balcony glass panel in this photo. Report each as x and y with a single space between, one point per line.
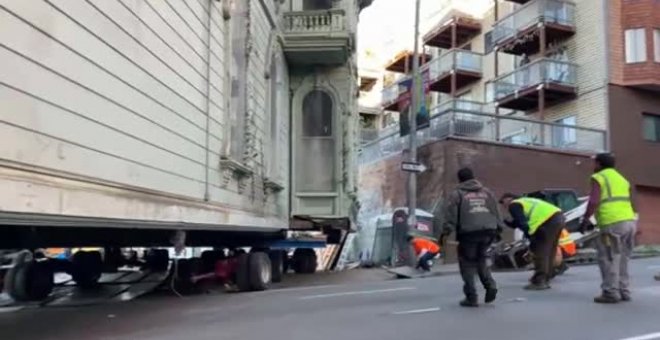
538 72
459 60
547 11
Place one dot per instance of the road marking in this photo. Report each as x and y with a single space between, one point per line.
418 311
650 336
360 292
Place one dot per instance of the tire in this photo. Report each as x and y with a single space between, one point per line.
31 281
15 277
277 265
304 261
243 273
86 268
158 260
260 271
39 280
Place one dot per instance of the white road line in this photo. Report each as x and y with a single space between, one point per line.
418 311
361 292
650 336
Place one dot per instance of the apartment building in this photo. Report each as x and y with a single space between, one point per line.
552 76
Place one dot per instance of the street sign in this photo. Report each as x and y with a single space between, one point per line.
413 167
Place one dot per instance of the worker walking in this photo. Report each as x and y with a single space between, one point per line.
610 201
471 211
542 223
425 251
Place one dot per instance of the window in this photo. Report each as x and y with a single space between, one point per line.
311 5
315 158
563 136
238 89
656 44
275 95
488 42
651 127
635 45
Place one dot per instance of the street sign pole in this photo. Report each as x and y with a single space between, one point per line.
414 110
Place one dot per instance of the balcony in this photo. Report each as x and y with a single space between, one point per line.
402 62
453 31
394 94
316 37
522 31
482 126
545 79
465 66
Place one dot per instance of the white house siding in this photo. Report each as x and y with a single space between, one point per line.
115 91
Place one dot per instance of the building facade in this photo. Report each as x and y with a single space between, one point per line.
550 75
217 112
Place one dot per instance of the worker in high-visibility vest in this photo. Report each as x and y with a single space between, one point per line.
542 223
611 202
425 251
566 249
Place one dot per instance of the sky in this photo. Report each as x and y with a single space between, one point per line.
386 27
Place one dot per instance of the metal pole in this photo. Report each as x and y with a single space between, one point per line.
414 109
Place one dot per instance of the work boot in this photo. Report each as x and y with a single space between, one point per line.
626 297
537 286
606 298
469 302
491 294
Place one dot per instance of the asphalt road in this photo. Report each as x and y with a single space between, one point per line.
399 309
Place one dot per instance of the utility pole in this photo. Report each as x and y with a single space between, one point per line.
414 110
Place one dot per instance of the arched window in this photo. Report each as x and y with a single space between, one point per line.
316 156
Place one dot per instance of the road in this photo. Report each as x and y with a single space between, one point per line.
397 309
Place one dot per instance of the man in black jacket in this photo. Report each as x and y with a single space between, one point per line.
472 212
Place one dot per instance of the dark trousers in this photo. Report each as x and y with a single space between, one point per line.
472 261
423 262
544 247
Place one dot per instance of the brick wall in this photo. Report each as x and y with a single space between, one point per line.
628 15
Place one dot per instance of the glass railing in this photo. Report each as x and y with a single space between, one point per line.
392 93
489 127
459 60
547 11
538 72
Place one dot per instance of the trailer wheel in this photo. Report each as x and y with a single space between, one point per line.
13 280
86 268
304 261
243 273
277 264
39 280
158 259
260 271
30 281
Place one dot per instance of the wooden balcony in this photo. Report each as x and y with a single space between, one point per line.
402 62
453 31
537 23
464 66
544 80
316 37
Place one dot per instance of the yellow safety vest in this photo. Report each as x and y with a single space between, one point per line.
536 211
615 205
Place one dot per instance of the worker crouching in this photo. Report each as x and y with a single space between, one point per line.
566 249
542 223
425 251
